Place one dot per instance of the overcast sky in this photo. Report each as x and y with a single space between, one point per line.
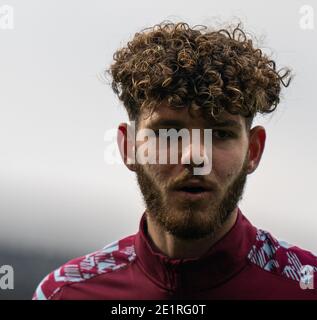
56 191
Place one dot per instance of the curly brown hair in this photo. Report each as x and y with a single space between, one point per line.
217 70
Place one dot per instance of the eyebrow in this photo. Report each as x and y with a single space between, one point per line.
167 123
227 123
178 123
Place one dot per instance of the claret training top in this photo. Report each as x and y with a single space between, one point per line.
247 263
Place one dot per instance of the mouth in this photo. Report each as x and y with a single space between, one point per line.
193 191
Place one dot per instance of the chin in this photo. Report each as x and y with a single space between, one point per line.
190 224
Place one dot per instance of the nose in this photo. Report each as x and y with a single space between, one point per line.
193 155
197 155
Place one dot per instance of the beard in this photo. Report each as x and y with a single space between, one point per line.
189 219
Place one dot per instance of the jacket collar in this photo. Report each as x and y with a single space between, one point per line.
225 258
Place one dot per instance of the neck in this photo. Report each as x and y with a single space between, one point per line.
175 247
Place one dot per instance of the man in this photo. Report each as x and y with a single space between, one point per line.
193 241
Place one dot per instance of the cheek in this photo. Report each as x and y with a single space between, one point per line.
227 164
160 173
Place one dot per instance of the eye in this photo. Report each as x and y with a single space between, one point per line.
163 134
222 134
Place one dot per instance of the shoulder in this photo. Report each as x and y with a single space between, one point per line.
113 257
284 259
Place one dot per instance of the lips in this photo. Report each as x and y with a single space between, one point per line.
193 186
193 190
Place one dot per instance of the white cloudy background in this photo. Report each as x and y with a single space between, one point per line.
57 192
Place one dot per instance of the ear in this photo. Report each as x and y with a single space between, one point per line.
257 137
126 144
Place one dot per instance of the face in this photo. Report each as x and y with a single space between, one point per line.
194 206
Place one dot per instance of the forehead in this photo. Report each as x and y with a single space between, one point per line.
166 114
